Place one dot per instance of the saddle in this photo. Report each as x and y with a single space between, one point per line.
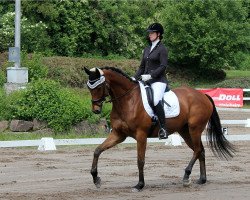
170 101
150 95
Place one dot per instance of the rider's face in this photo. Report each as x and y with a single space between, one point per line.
153 36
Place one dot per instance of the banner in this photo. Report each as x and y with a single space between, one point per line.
225 97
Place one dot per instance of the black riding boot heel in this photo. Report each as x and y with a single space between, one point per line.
159 111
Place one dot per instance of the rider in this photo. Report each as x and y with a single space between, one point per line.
152 70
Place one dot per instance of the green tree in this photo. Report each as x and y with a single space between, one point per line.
91 27
33 35
206 34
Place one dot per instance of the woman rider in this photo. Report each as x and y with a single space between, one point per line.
152 70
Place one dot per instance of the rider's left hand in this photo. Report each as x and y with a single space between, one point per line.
146 77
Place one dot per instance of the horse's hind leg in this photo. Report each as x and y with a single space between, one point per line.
203 176
192 137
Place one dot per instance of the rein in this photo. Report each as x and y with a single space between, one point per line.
116 98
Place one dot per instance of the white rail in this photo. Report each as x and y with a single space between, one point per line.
91 141
236 122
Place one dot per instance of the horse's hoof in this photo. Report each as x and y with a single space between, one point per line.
134 189
186 182
201 181
98 182
138 187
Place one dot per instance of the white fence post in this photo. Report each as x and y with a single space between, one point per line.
248 123
47 144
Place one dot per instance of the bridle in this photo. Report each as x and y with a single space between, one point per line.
106 91
104 95
122 95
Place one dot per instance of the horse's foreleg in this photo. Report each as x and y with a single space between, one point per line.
141 149
111 141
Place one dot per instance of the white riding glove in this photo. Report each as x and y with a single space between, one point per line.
133 78
146 77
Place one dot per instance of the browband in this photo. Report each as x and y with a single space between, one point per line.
96 82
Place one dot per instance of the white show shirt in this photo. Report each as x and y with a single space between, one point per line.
154 43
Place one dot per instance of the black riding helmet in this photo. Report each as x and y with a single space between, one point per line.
156 27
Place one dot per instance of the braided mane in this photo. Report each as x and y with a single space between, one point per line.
118 71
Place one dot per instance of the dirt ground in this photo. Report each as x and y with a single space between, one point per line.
64 174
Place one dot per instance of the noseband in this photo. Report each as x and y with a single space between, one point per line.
103 98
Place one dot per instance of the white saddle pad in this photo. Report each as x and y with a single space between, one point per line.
170 97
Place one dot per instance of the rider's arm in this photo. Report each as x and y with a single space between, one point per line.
163 63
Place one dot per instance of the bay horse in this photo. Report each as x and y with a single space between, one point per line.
128 118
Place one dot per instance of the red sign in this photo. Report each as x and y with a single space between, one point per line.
225 97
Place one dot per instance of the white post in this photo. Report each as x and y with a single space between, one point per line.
18 30
17 76
247 123
47 144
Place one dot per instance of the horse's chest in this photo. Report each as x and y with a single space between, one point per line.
121 126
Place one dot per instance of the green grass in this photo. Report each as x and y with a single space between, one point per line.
237 74
6 136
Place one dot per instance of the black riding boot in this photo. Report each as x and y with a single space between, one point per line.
159 111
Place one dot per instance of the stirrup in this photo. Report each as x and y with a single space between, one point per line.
162 134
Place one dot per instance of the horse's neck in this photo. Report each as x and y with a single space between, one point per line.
124 94
119 85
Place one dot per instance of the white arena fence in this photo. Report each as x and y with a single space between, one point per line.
174 139
246 122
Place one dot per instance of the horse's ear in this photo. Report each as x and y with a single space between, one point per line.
97 71
87 70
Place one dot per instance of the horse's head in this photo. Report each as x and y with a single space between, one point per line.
98 88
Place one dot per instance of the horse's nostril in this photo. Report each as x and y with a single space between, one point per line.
97 111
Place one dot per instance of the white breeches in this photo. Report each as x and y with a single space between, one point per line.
159 89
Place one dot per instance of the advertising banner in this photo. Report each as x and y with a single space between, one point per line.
225 97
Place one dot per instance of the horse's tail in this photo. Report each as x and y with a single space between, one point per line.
220 146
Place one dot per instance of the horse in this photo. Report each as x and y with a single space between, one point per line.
129 119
